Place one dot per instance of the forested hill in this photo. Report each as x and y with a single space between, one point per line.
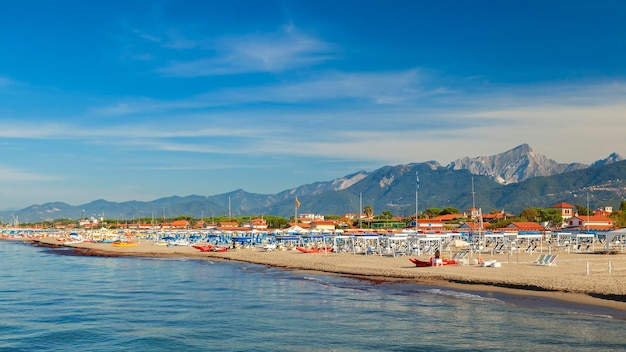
392 188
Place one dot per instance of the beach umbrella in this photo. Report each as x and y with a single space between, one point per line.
459 243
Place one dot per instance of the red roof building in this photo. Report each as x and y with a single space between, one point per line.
591 222
567 210
525 226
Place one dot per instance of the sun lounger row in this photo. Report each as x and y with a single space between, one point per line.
547 260
461 257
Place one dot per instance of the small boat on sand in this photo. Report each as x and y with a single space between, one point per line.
204 248
314 250
124 244
432 262
210 248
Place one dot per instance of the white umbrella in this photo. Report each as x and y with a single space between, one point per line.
459 243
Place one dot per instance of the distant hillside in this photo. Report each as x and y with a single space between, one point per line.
388 188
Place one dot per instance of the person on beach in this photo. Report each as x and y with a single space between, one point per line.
437 261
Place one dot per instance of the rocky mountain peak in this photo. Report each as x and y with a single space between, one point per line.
614 157
512 166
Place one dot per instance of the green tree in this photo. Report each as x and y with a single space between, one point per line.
332 217
504 222
551 216
432 212
449 210
583 210
387 214
622 206
619 218
530 214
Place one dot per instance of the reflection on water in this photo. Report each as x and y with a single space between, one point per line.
74 303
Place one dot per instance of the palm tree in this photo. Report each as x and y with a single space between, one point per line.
369 211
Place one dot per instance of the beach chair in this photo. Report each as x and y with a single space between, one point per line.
462 258
543 259
552 260
270 247
488 263
540 260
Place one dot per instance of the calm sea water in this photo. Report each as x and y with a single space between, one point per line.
55 302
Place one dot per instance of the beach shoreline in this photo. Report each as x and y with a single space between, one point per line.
565 282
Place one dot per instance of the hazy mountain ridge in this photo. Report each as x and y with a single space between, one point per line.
387 188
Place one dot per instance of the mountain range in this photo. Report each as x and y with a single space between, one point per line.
510 181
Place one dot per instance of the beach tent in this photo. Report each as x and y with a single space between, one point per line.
459 243
610 236
295 230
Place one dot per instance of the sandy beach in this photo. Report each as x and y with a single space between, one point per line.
518 274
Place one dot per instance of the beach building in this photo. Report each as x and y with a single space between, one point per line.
605 210
472 226
590 222
567 210
355 216
324 225
428 225
177 224
258 224
524 226
474 212
449 217
308 218
227 225
496 215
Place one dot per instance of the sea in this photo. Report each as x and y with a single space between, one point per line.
53 300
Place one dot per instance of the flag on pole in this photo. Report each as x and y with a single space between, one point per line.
417 180
297 202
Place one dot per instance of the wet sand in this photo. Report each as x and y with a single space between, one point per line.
567 281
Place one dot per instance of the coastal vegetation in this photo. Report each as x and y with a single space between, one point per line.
549 217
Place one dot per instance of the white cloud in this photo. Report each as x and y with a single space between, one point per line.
10 174
387 88
566 123
285 50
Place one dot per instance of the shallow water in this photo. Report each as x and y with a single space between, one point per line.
72 303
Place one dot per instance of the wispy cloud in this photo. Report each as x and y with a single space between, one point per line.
285 50
10 174
386 88
399 130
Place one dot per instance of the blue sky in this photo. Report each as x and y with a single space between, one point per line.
138 100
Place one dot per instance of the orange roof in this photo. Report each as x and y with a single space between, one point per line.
594 218
447 217
563 205
324 222
179 223
527 225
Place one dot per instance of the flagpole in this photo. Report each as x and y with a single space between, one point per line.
295 220
360 210
417 187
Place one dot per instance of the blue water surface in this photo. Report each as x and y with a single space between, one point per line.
52 301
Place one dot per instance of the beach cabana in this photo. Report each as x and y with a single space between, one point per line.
531 238
615 235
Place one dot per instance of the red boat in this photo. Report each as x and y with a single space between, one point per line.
204 248
431 262
314 250
210 248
